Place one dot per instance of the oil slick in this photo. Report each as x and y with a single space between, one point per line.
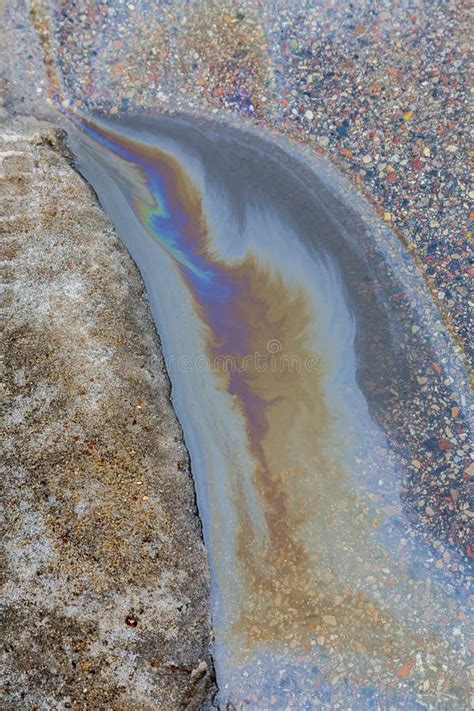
286 320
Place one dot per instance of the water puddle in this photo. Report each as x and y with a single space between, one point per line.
311 374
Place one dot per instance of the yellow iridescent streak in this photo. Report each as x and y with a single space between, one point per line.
148 216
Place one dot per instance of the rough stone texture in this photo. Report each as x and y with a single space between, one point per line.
106 579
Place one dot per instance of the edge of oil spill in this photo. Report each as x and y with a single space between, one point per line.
70 156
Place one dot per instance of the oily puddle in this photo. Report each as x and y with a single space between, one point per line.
311 374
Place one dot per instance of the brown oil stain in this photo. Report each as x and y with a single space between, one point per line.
293 593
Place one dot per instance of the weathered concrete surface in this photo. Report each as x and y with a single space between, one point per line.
106 579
